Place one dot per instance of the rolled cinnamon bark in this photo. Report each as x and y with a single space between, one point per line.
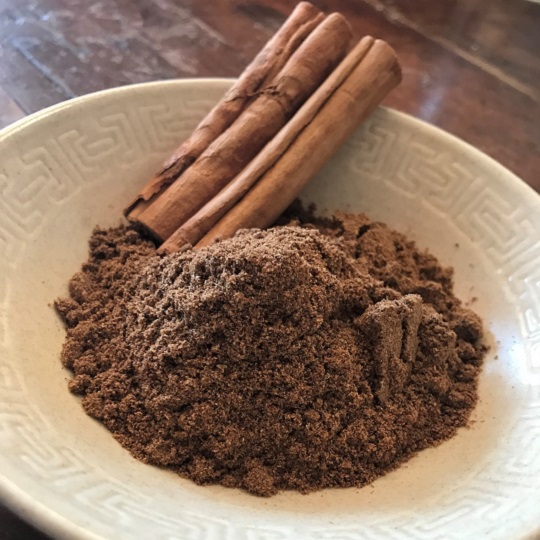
259 74
311 63
362 91
198 225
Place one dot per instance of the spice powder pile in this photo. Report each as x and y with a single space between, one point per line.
312 355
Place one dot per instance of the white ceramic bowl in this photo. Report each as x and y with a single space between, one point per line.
77 164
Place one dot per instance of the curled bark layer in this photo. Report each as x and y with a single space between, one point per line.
304 72
353 101
257 76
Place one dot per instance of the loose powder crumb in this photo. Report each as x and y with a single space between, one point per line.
316 354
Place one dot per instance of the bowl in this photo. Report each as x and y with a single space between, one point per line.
75 165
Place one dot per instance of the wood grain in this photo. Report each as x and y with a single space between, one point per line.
470 66
9 110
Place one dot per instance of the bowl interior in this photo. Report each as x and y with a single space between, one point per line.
67 169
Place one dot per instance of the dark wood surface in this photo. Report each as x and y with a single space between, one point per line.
471 67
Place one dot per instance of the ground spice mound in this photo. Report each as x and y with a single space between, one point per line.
318 354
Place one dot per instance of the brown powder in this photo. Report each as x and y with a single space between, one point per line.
319 354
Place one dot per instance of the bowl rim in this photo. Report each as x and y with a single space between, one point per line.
16 498
414 122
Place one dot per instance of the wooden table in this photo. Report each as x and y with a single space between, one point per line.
471 67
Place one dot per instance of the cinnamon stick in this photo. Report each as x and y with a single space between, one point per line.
255 78
198 225
322 50
361 92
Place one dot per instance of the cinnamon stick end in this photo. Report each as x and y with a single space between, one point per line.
396 66
307 7
165 250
